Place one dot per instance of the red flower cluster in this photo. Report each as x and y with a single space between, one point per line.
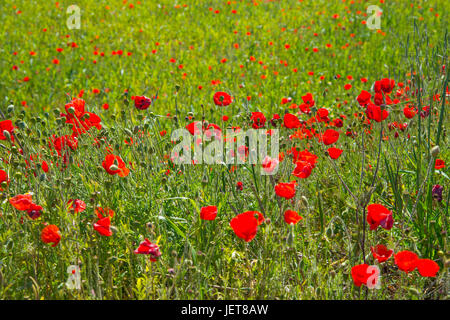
407 261
24 202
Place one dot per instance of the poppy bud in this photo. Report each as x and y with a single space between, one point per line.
435 151
6 134
290 238
18 175
10 108
128 132
113 167
71 110
177 87
4 185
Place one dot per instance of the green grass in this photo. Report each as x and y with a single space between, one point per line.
205 259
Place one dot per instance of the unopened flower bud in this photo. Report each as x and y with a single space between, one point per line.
435 151
71 110
113 167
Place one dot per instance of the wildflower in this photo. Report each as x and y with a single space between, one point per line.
24 202
334 153
102 226
330 136
146 247
142 102
222 99
76 205
439 164
378 215
427 267
114 165
51 234
258 119
291 217
208 213
360 274
381 253
285 190
291 121
245 225
406 260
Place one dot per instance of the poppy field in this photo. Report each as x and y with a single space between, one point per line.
96 204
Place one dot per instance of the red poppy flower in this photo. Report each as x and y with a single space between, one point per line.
6 126
374 112
115 165
51 234
386 85
80 119
338 123
409 112
381 253
245 225
208 213
334 153
330 136
146 247
308 100
427 267
406 260
239 186
322 115
304 155
291 217
24 202
378 215
439 164
102 226
285 190
104 212
258 119
222 99
194 128
302 169
78 106
76 205
142 102
360 274
291 121
364 98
